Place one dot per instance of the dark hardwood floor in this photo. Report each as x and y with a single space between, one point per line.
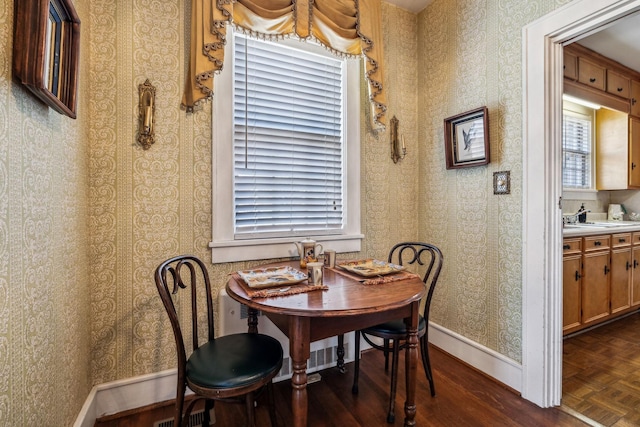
601 373
464 397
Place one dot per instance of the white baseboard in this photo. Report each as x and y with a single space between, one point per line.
118 396
123 395
492 363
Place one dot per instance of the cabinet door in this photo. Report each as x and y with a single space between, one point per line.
634 152
617 84
570 65
591 74
635 276
635 98
571 281
620 279
595 286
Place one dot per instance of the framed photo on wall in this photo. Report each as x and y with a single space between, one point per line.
466 139
46 44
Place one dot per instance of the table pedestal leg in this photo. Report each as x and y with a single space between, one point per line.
299 351
252 321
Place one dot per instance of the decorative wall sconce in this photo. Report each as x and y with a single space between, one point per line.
147 108
397 152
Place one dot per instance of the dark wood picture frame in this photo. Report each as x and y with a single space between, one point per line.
466 139
46 45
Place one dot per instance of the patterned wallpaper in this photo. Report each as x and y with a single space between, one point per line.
470 56
146 206
77 301
44 278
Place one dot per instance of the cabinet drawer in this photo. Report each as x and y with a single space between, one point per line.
617 84
591 74
574 246
597 243
620 240
635 238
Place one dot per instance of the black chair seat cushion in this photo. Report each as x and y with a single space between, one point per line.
395 327
234 361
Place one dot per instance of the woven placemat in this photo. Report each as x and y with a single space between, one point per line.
279 291
378 280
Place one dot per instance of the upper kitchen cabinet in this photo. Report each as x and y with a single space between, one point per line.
635 98
596 78
617 150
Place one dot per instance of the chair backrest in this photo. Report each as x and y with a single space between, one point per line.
425 257
185 272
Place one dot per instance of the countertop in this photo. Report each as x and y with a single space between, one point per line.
600 227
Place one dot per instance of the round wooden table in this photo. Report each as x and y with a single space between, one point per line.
346 306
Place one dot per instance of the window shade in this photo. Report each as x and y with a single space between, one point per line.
287 141
576 149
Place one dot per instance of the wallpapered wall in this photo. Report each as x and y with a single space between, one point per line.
86 215
470 56
44 279
146 206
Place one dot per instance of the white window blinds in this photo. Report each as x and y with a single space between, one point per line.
287 141
576 150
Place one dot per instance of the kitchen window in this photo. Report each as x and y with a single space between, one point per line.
286 150
577 150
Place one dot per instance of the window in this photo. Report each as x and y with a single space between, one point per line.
577 148
286 125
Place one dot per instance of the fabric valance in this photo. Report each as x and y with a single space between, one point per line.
347 27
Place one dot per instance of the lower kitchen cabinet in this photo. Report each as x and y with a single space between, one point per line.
601 278
621 269
571 291
595 286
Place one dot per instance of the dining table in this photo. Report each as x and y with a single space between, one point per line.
344 303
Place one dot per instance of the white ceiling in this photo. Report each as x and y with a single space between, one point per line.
619 41
414 6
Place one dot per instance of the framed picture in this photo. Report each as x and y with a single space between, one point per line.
466 139
46 44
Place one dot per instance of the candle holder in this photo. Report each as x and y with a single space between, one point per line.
146 107
397 152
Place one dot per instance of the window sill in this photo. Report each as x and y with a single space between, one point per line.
247 250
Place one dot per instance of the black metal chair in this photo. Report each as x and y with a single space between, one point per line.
425 257
231 366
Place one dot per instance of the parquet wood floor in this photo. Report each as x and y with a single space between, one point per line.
601 373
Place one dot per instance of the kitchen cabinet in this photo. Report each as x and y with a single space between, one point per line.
594 77
635 269
570 68
601 278
591 74
634 152
595 278
572 283
617 150
635 98
618 84
621 269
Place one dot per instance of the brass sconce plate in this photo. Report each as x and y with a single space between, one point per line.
397 152
146 113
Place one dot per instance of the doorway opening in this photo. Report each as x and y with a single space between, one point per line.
542 186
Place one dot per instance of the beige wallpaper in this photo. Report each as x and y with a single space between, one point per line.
86 215
44 278
149 205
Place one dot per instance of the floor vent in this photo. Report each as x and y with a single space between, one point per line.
195 420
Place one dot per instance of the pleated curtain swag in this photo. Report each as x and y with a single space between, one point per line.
346 27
